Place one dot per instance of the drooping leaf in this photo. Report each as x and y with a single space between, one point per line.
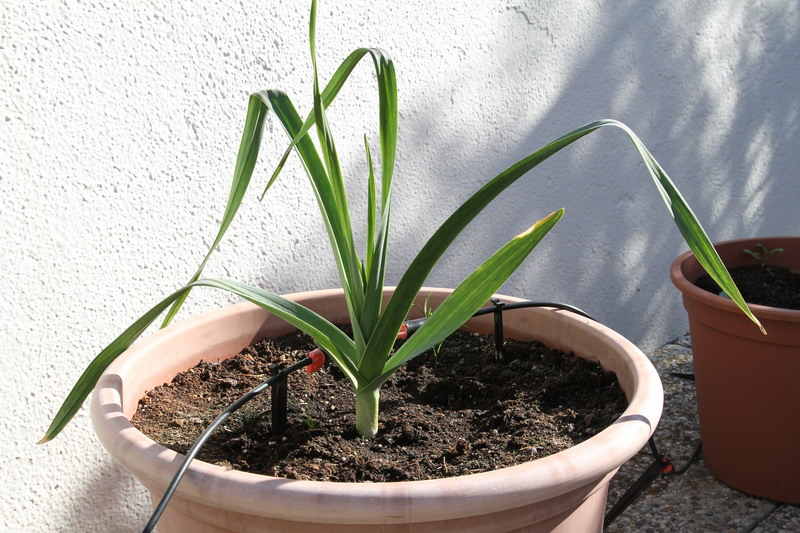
245 163
414 277
687 223
89 378
325 334
387 87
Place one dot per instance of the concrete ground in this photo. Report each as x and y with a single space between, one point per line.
693 501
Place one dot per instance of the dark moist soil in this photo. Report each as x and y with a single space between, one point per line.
762 285
459 412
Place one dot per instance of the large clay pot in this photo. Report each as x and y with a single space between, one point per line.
748 384
562 492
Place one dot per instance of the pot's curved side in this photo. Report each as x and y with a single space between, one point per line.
560 491
748 390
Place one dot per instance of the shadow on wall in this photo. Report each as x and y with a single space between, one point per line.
718 113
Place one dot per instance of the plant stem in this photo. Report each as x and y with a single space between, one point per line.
367 413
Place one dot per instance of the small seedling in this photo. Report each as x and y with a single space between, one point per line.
427 311
306 412
764 255
309 419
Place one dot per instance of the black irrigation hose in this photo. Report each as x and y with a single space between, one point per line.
412 326
692 459
195 449
521 305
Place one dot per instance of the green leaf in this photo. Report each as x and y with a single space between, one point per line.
372 208
468 297
387 87
245 163
340 235
325 334
687 223
89 378
407 289
414 277
350 268
251 141
366 314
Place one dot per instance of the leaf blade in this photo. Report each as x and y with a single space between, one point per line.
469 296
690 228
243 172
414 277
412 280
91 375
329 94
328 336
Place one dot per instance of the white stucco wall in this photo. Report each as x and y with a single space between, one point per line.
120 123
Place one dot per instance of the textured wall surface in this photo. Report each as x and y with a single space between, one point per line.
119 124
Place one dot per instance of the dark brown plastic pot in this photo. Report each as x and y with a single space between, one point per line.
748 384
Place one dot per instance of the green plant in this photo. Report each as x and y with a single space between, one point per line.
764 255
306 412
366 358
427 311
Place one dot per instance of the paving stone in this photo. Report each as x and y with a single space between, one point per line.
694 501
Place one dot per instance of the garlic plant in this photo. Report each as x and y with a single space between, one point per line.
367 359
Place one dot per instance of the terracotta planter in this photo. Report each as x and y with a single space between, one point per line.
563 492
748 384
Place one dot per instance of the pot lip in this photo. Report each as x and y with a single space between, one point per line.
692 291
415 501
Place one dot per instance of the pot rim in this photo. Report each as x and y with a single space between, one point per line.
687 287
414 501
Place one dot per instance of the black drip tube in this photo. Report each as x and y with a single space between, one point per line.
201 440
278 383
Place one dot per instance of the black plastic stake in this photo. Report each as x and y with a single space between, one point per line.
279 393
498 327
